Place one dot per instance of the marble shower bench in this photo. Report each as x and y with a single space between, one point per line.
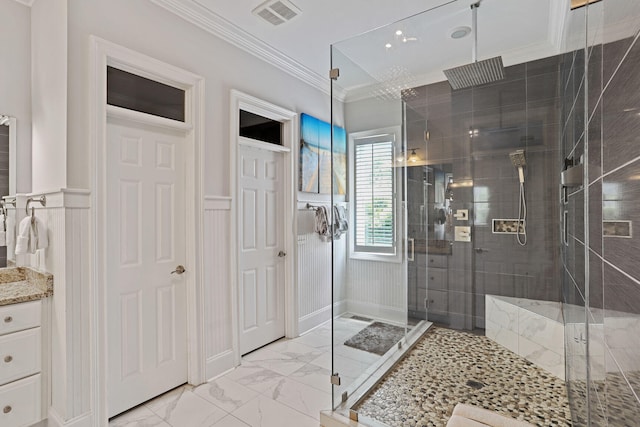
532 329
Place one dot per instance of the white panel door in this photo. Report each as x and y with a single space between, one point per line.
146 312
260 242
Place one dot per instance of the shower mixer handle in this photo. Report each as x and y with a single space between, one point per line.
480 250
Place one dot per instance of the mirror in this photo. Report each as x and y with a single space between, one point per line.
440 194
7 186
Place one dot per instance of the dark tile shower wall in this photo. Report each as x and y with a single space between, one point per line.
473 131
601 289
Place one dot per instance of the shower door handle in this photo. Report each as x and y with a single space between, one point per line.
413 249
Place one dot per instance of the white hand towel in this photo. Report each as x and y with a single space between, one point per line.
3 233
22 240
11 230
38 235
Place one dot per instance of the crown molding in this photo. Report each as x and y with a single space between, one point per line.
558 11
215 24
27 3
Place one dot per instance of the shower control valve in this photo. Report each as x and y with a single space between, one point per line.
461 214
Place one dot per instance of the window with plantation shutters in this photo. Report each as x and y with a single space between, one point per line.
374 201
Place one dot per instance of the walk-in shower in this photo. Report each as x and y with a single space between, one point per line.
518 161
466 254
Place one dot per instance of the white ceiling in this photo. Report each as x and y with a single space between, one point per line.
519 30
307 37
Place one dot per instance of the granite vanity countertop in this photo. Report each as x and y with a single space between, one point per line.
21 284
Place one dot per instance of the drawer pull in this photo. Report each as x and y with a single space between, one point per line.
8 359
433 278
7 409
8 319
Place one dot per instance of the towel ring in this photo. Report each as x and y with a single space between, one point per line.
42 199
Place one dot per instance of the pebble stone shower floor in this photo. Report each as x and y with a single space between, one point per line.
448 366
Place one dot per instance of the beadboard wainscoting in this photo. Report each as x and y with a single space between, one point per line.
68 257
314 280
218 312
314 274
376 290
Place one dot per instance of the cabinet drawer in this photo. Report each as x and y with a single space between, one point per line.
438 261
17 317
19 355
437 301
20 402
437 278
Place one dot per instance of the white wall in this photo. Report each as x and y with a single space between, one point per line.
15 82
375 289
149 29
49 94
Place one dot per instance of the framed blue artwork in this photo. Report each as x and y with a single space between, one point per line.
315 157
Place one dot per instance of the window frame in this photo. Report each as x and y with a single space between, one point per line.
391 134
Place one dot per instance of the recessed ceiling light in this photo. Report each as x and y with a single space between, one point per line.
388 45
399 33
460 32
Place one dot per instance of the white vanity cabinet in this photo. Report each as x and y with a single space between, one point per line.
20 364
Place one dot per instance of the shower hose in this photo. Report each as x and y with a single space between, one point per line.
522 218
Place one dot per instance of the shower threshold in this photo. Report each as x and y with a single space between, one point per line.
343 415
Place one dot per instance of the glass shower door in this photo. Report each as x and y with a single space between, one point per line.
370 262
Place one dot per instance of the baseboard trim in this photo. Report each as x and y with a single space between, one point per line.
55 420
310 321
219 364
376 311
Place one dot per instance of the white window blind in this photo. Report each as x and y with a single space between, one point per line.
374 195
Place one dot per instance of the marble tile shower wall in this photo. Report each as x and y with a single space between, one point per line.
601 287
473 131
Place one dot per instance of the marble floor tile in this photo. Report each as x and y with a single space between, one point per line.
295 350
171 396
314 376
140 416
190 410
301 397
254 377
323 361
225 393
265 412
275 361
355 354
230 421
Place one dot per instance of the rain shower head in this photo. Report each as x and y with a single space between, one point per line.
475 74
517 158
478 72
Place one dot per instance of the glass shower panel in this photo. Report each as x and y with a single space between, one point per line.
369 287
436 182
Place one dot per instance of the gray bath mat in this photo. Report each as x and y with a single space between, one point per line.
376 338
362 319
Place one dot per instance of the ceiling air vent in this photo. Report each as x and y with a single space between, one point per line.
277 12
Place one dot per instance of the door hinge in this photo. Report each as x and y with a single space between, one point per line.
335 379
334 73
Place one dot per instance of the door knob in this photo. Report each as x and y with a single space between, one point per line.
179 270
282 254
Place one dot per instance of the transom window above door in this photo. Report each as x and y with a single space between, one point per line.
134 92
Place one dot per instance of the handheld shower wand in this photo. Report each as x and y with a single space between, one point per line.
517 158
